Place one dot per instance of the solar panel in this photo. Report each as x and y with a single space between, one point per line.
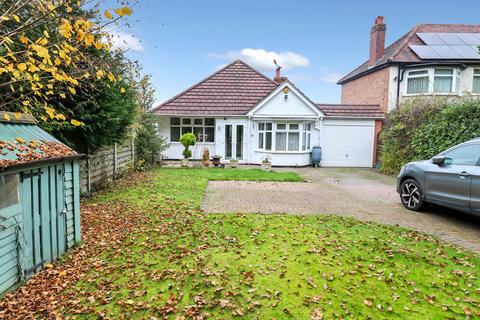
451 39
425 52
467 52
448 38
446 52
430 38
471 39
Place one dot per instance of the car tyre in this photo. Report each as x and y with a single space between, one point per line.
411 195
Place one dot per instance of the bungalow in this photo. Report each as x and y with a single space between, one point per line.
239 113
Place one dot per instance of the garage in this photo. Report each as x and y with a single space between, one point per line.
349 135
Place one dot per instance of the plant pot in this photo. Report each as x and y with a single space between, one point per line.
266 166
216 161
233 163
206 163
184 163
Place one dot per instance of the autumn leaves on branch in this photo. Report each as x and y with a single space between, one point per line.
49 49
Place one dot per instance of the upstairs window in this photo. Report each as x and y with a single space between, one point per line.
476 81
202 128
417 82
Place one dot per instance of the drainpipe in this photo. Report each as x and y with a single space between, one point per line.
400 73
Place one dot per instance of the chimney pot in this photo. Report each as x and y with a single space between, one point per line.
377 41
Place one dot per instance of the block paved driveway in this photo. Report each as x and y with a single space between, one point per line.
360 193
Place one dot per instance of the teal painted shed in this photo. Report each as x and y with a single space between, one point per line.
39 198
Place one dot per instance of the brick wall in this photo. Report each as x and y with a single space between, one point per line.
369 89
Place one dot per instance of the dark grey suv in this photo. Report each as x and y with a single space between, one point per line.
451 179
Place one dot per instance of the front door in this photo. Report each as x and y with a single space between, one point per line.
234 141
450 184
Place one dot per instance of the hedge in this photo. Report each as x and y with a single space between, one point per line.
422 128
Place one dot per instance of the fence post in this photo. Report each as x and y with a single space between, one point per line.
88 174
133 149
115 163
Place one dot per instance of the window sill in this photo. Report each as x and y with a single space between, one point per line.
430 94
283 152
202 143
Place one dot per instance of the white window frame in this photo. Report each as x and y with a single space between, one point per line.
263 133
192 125
302 128
475 75
431 79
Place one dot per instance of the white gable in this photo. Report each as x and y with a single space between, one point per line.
279 104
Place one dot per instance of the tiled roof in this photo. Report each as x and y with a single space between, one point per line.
399 51
351 110
233 90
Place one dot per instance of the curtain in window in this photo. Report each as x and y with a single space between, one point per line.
281 141
304 140
293 141
476 84
442 84
417 85
268 141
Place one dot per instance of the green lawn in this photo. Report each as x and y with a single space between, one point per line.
177 262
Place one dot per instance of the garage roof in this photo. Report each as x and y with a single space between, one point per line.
371 111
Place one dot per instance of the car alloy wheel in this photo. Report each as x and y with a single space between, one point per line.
411 195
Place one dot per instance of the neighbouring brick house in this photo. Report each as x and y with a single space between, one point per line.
431 59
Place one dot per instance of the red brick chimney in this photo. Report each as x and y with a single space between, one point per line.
377 41
278 79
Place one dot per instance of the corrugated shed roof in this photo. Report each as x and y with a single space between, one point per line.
22 142
351 110
399 51
233 90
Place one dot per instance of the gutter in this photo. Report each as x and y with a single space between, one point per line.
41 162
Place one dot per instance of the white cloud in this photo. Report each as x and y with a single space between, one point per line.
331 77
125 41
262 59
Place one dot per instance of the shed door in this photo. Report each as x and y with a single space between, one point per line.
44 217
348 145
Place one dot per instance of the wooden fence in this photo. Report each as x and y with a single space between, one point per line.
105 165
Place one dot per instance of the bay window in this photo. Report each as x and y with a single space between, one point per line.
202 128
286 136
433 81
476 81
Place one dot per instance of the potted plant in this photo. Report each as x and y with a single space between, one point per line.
216 160
233 163
206 158
266 163
187 140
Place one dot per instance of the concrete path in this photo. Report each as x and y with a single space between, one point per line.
359 193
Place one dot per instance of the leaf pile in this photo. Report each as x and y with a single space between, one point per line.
31 151
104 227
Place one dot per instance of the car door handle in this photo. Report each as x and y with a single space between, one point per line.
464 174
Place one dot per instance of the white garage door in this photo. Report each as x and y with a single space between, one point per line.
348 145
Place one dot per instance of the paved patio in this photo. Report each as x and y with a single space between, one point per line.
359 193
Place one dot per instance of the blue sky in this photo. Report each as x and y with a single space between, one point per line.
180 42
